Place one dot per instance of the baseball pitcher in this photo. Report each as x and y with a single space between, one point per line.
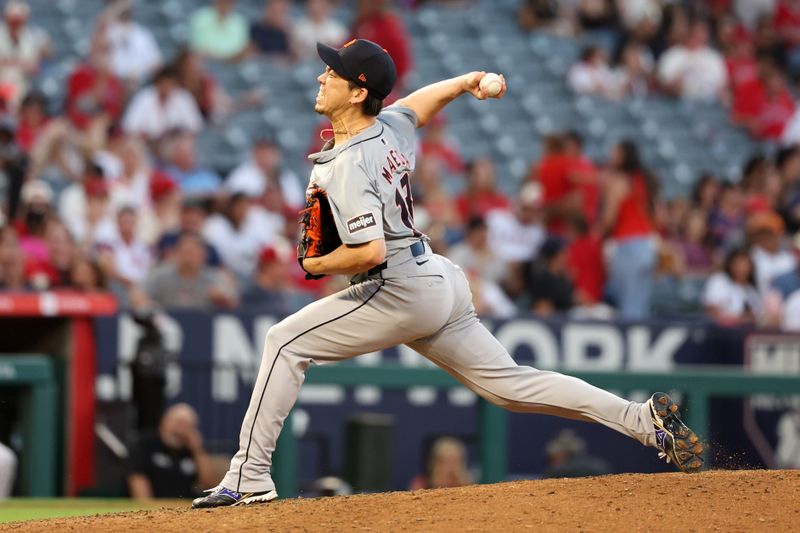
359 221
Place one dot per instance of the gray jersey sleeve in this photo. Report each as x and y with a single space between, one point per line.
403 120
355 203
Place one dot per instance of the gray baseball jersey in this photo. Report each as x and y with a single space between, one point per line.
368 181
421 299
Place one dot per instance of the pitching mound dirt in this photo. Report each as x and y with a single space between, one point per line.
711 501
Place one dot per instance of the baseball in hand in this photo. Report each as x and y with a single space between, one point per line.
491 84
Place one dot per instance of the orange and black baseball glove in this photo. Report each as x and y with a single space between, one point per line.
319 235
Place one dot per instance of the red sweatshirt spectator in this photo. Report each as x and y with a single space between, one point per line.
582 176
481 195
740 60
765 105
93 91
787 21
375 22
567 178
585 262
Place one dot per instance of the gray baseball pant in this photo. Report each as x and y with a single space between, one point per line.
425 303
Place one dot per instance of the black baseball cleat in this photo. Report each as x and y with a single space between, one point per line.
675 441
222 497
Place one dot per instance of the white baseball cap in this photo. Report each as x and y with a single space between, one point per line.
36 190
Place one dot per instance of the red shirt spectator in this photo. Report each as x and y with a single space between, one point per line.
91 93
740 61
27 134
568 180
741 70
787 21
633 219
375 22
553 175
764 105
583 176
585 263
93 90
33 120
481 203
161 185
584 172
481 195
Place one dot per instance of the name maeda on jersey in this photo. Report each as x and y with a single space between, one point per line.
394 161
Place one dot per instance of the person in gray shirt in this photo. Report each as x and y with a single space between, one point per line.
186 282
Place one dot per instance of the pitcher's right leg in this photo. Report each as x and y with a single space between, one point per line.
366 317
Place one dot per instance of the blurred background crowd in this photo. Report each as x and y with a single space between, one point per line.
645 162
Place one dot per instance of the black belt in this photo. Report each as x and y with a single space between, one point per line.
417 249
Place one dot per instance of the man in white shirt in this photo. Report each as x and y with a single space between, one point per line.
134 50
317 25
161 107
515 237
474 254
693 70
263 170
592 75
242 232
124 258
766 230
21 49
85 209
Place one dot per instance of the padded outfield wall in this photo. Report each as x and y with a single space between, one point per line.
219 354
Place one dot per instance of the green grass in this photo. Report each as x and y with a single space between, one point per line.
19 509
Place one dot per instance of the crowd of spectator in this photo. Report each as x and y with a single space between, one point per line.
744 54
739 54
109 194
